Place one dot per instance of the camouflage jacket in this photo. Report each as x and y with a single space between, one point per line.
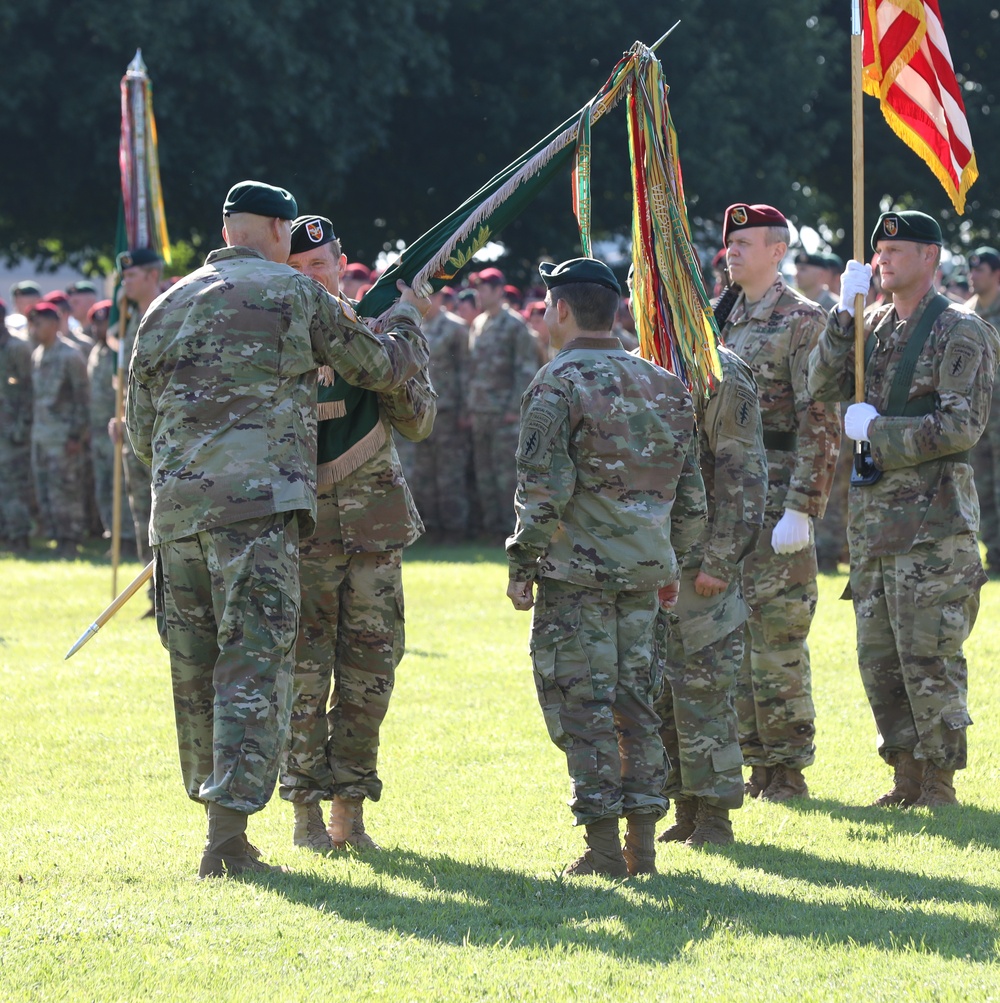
608 486
503 360
61 395
991 313
448 340
802 436
100 372
15 389
221 396
922 495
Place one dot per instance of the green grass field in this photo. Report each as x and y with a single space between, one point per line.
826 899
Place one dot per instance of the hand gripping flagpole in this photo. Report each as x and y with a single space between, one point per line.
130 590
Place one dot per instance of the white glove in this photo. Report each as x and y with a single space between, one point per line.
857 278
791 534
857 419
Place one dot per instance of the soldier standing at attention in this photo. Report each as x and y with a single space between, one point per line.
441 460
915 567
503 360
59 428
351 631
984 272
15 440
773 329
608 488
224 368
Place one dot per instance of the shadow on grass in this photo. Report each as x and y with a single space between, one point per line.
456 553
659 919
960 824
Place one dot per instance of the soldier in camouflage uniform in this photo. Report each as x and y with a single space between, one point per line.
608 489
15 440
701 638
351 631
441 460
224 368
773 329
503 359
915 567
984 267
59 429
100 373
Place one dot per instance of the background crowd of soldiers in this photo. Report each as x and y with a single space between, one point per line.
487 338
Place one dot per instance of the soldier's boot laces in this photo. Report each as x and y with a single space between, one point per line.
310 829
685 809
640 843
937 788
712 825
760 777
347 825
604 852
227 851
908 773
786 783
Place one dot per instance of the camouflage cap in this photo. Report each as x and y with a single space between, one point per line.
137 259
742 217
578 270
310 232
260 199
985 256
907 225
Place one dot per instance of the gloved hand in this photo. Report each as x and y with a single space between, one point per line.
857 418
791 534
857 278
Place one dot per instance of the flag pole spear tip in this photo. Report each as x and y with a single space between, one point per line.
84 638
664 36
137 68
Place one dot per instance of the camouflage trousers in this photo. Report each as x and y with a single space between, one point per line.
596 680
700 729
774 685
914 612
831 530
140 500
59 490
227 609
439 477
15 490
102 455
351 639
986 464
494 445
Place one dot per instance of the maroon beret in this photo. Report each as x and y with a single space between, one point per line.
742 217
493 276
44 309
58 297
719 260
358 271
101 306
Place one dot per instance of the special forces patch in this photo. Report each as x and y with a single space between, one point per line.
538 429
314 230
739 423
959 365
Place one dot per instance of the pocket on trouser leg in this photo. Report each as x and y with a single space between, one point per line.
786 619
551 629
729 757
943 620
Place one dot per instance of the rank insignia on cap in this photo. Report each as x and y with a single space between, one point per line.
739 215
314 229
891 226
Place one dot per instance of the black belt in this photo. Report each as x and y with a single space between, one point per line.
784 441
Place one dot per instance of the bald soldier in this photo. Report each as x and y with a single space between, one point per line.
608 488
351 632
915 569
773 328
224 371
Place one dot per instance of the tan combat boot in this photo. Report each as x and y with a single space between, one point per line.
227 851
347 825
760 777
685 809
604 852
712 825
937 788
786 783
640 843
310 830
906 778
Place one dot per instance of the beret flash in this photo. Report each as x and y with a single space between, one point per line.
907 225
309 232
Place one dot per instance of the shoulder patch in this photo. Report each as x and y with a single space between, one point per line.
538 428
959 365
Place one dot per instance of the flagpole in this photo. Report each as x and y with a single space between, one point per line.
858 187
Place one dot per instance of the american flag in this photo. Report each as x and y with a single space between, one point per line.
908 67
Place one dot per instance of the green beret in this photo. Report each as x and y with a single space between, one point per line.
26 288
261 200
834 262
805 258
908 225
137 258
82 286
985 256
309 232
578 270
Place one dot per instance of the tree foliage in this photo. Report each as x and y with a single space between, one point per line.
386 116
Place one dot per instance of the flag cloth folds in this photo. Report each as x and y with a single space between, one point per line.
908 67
